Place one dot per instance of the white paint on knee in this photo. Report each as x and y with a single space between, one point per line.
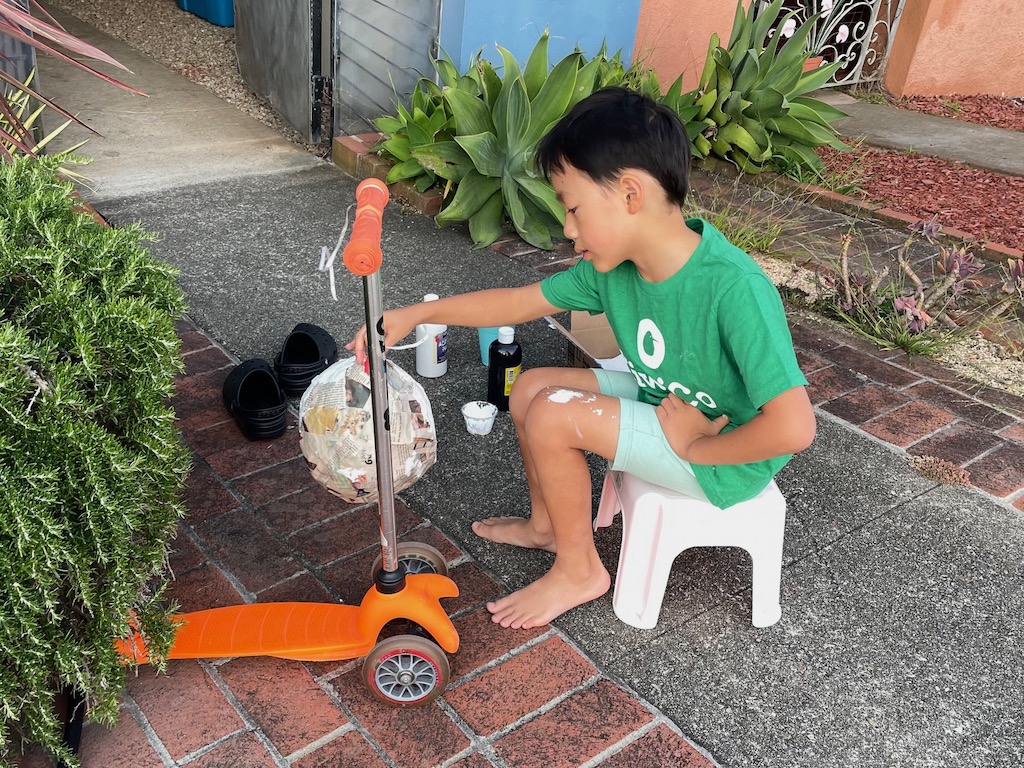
565 395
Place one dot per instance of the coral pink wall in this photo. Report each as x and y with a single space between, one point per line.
957 46
672 36
941 47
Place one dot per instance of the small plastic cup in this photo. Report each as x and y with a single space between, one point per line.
479 415
486 336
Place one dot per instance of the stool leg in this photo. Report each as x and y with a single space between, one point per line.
609 505
643 569
766 562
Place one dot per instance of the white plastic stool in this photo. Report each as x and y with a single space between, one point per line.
658 524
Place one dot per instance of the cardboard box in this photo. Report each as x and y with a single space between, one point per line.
590 340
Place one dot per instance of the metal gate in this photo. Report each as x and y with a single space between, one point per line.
361 56
857 32
382 47
282 56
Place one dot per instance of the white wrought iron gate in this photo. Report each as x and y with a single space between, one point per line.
856 32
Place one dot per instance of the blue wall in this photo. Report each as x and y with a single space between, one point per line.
468 25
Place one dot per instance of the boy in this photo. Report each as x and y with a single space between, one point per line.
714 403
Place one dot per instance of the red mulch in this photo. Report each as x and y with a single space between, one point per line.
982 203
996 111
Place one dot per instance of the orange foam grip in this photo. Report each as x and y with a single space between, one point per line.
362 255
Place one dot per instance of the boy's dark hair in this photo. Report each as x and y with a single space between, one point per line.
614 129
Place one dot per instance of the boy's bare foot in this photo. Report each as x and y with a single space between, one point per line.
514 530
547 598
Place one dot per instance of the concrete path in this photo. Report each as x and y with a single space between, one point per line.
880 125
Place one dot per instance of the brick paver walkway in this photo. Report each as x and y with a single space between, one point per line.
259 529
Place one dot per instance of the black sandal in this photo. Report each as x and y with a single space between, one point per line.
307 352
254 397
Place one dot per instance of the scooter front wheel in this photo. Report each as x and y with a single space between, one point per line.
406 671
415 557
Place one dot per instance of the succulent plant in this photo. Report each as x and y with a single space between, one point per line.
425 124
499 130
752 104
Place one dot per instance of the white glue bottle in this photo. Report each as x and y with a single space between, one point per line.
432 347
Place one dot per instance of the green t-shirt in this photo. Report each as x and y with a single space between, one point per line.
715 333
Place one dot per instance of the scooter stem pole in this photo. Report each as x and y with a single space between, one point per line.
363 257
381 419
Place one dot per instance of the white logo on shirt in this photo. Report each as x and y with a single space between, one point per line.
645 330
656 356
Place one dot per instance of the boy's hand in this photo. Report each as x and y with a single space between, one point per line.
397 325
684 425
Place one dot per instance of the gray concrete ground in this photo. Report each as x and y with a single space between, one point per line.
901 642
882 126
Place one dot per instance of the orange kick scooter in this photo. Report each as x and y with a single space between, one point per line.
409 579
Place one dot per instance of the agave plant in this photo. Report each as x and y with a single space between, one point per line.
41 31
478 131
752 104
685 105
499 131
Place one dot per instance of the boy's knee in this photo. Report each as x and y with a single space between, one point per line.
525 388
548 405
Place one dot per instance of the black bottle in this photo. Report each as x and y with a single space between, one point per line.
506 361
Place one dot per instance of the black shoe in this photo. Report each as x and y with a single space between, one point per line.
254 397
307 352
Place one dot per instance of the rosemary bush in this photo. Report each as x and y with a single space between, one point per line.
91 463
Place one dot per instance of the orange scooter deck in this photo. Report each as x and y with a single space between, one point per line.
308 631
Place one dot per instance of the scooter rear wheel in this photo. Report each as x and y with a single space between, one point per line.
415 557
406 671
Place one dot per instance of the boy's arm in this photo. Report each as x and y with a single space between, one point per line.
784 426
480 309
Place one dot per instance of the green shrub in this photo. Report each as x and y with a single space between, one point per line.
91 463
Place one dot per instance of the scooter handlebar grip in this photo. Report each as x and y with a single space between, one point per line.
363 255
